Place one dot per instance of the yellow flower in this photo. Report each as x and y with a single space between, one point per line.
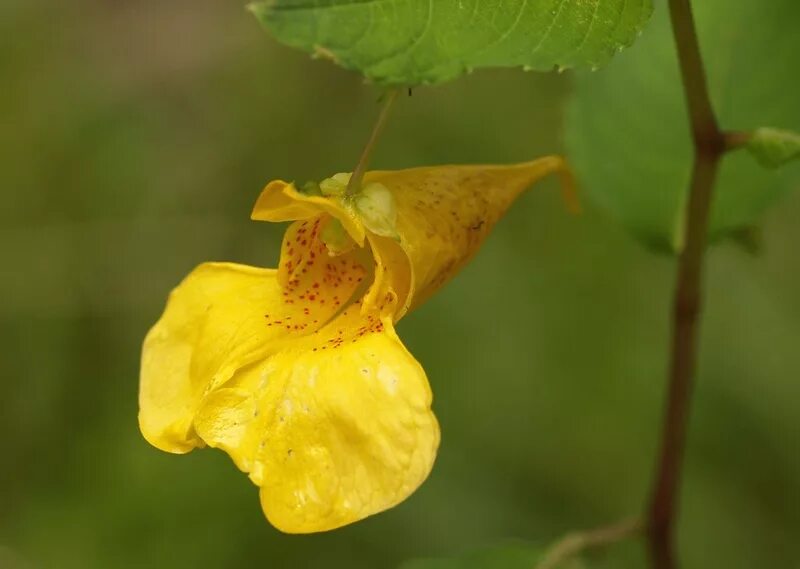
297 372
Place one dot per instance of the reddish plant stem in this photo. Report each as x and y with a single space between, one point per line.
709 144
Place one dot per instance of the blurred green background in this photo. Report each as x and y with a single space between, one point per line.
134 137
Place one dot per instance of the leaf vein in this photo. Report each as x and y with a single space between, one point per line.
550 27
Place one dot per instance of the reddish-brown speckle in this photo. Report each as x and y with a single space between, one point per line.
308 293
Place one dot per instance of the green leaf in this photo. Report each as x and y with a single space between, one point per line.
411 42
509 556
773 147
628 132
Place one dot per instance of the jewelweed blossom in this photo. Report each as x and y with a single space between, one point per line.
297 372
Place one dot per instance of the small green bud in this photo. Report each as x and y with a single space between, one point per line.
774 147
336 185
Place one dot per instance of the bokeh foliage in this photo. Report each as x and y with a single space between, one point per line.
136 136
636 109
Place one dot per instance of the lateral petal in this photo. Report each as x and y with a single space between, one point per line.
225 316
212 325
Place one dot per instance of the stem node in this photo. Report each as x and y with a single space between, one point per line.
709 144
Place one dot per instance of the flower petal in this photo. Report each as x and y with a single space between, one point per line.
307 269
281 201
212 325
224 316
333 428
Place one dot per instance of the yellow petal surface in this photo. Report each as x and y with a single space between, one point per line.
281 201
333 428
224 316
213 324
